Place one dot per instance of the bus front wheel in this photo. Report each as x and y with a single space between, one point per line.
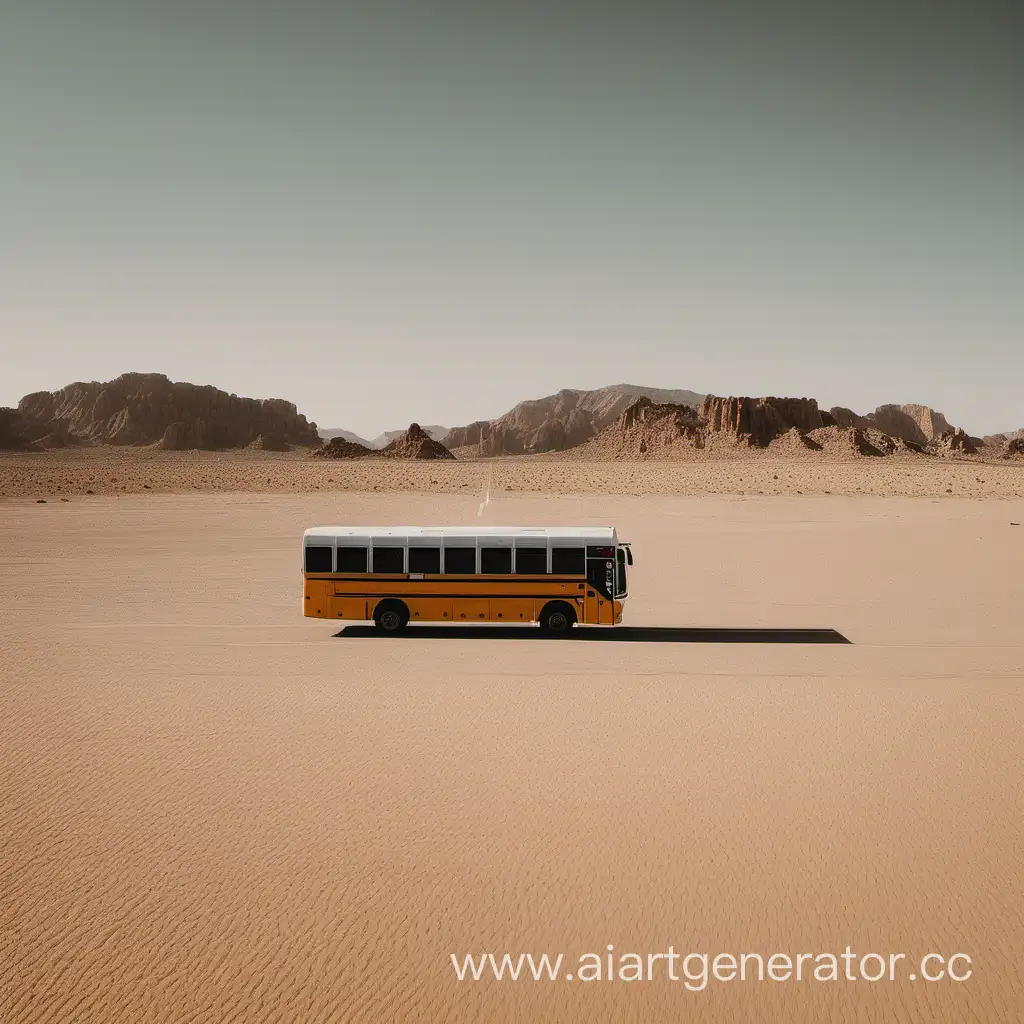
391 616
557 618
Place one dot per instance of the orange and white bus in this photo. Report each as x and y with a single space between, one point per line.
393 575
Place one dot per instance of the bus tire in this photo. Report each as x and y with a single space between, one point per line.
391 616
557 618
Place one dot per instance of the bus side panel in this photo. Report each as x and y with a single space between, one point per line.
315 599
512 609
470 609
429 609
348 608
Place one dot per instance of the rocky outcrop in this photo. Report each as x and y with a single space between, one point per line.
558 422
341 448
785 426
20 432
383 440
916 423
758 421
954 442
999 440
646 430
794 442
646 426
472 434
271 443
844 442
1014 448
842 417
148 408
347 435
546 424
415 443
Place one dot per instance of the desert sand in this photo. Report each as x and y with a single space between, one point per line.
85 472
216 810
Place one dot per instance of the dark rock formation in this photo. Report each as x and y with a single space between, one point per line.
951 442
843 417
758 420
147 408
341 448
271 443
21 432
1000 440
415 444
438 433
1014 448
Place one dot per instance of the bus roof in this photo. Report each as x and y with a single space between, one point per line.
593 534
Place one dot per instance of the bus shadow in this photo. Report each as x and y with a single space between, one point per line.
620 634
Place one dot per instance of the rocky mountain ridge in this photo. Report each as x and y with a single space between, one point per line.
784 425
150 409
557 422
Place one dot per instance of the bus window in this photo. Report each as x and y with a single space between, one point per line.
424 559
569 561
496 561
460 561
318 559
532 561
351 559
389 559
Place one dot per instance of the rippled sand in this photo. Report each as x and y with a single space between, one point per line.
215 810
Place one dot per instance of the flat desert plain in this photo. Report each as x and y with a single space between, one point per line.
216 810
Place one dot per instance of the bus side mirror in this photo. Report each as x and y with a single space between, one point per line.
629 556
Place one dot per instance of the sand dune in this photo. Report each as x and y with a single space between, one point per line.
215 810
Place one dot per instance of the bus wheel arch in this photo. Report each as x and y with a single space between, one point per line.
391 615
557 618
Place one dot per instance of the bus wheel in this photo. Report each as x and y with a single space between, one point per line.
557 618
391 616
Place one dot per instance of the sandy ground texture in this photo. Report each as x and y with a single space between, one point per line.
215 810
49 476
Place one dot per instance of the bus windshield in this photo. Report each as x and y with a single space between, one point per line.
620 573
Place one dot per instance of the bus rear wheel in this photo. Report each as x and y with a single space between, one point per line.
391 616
557 618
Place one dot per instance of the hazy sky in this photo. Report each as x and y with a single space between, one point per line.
431 210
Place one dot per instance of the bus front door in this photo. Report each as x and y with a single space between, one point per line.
600 591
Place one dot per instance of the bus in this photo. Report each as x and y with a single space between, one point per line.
556 576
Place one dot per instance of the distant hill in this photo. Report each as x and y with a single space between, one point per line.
414 443
346 435
1006 435
560 421
435 433
148 408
